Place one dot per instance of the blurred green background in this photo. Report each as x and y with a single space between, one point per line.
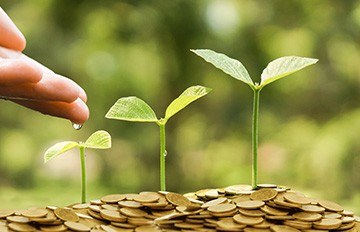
309 123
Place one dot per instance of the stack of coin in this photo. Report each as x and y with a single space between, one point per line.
269 208
234 208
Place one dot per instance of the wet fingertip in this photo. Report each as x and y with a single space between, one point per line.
80 113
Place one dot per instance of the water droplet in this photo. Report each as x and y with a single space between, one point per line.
77 126
165 153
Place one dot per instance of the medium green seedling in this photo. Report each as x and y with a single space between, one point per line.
134 109
98 140
275 70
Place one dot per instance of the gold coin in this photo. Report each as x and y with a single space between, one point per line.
18 219
265 194
177 199
94 214
57 228
301 225
21 227
140 221
347 213
110 207
154 205
286 204
273 211
312 208
252 212
307 216
332 215
239 189
44 220
214 202
123 225
225 214
66 214
34 213
147 229
111 228
51 207
229 223
146 198
252 229
111 215
279 218
250 204
267 186
222 208
240 198
357 218
129 204
81 206
96 202
347 226
283 228
241 219
77 226
86 216
212 193
95 208
113 198
133 212
184 225
6 213
347 219
331 206
327 224
264 225
296 198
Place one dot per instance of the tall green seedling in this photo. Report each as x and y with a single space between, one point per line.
275 70
98 140
134 109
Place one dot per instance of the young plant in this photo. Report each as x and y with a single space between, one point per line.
98 140
136 110
275 70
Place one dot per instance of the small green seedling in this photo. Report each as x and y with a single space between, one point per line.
98 140
275 70
136 110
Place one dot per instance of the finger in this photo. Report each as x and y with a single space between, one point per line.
51 87
77 111
82 94
72 87
11 37
16 72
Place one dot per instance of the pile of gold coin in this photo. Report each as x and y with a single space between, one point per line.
234 208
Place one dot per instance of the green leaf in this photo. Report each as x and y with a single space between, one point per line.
132 109
59 149
189 95
284 66
228 65
99 140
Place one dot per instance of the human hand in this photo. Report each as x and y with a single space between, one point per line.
30 84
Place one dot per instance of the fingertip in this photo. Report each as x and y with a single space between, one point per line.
80 112
21 45
82 94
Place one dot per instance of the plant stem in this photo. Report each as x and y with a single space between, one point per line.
255 138
83 175
162 157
